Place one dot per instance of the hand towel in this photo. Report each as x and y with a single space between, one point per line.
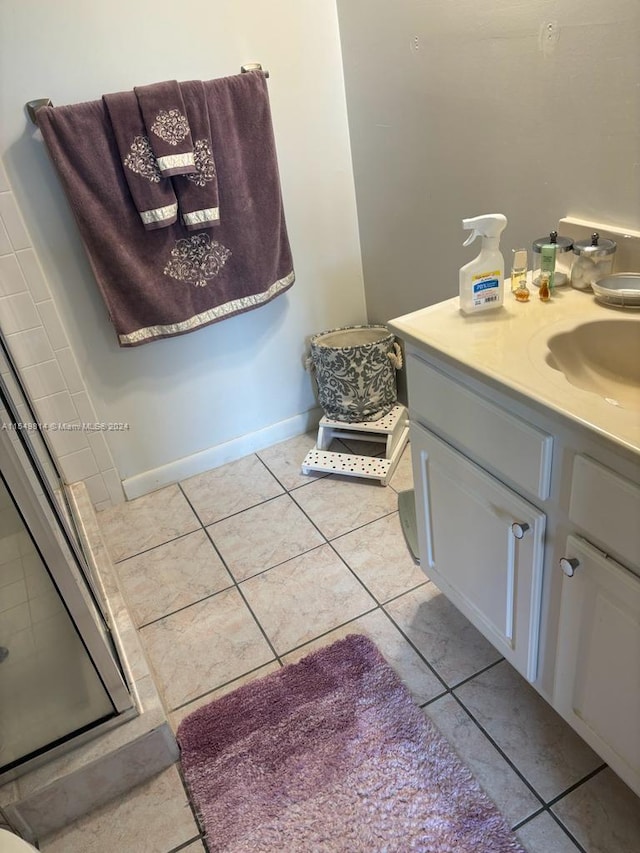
170 281
165 118
153 197
197 193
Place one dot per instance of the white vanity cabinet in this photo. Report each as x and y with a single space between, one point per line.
530 524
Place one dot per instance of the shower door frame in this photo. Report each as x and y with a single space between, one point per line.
87 618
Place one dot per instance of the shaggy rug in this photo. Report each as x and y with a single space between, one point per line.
330 755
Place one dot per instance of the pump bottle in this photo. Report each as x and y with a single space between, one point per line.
482 280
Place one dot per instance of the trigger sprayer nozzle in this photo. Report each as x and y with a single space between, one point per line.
490 225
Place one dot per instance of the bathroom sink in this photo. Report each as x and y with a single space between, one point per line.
602 356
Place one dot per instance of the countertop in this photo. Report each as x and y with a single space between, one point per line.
509 346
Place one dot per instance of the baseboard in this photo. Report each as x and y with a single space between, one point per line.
213 457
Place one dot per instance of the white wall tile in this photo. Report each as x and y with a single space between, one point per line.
78 466
67 441
100 450
4 180
44 378
56 408
5 243
13 222
53 326
70 370
17 312
30 347
34 275
12 279
83 404
97 490
31 322
114 486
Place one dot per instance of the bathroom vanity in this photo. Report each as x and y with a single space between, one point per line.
525 441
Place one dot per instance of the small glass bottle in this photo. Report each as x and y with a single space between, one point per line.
544 291
522 293
518 268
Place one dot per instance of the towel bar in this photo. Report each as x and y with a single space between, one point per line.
32 107
253 66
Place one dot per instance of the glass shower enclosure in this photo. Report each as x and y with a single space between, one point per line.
60 678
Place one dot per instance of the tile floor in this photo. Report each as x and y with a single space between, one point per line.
235 572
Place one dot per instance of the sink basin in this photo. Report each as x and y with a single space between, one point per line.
602 356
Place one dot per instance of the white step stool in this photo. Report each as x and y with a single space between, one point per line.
391 430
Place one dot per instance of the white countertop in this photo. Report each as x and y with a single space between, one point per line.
509 345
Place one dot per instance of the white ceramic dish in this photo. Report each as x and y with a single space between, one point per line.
621 289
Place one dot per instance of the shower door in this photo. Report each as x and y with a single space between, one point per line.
59 674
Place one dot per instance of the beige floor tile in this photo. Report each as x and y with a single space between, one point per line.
543 835
172 576
285 459
153 818
547 751
231 488
176 717
196 847
337 505
11 570
13 594
264 536
203 646
443 635
378 554
413 671
305 597
402 478
145 522
499 780
603 814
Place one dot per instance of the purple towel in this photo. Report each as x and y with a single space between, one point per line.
198 193
165 118
153 197
167 282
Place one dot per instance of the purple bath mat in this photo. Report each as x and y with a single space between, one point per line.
330 755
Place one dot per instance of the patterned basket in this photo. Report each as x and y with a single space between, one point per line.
355 370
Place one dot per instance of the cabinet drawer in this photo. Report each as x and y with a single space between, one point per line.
607 507
494 437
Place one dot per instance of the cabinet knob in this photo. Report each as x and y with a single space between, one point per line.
569 565
519 528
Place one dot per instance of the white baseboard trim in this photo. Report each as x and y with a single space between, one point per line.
213 457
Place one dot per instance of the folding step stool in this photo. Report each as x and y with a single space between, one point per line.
391 430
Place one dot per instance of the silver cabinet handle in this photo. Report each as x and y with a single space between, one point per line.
519 529
569 565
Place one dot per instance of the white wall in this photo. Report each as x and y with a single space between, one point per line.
222 389
467 107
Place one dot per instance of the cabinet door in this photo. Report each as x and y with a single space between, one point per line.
482 544
597 679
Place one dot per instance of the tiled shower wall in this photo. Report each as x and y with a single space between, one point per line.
40 348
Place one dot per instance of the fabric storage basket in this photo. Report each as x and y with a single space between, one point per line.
355 371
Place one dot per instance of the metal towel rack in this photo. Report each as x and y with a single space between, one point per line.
32 107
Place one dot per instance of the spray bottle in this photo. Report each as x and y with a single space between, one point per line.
482 280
